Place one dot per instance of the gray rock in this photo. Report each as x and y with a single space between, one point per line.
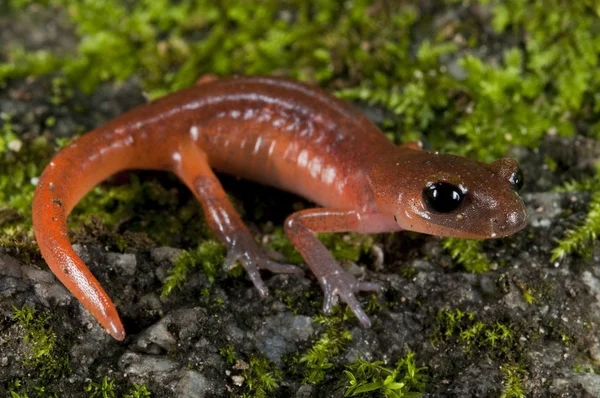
156 338
142 368
306 391
9 266
9 286
193 385
281 334
514 300
164 254
46 286
590 383
160 337
127 262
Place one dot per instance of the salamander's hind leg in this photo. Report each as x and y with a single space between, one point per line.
192 167
334 281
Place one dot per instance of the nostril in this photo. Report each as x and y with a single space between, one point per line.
494 220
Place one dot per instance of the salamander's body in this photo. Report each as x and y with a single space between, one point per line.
288 135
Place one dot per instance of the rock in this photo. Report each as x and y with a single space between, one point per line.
143 368
127 262
156 339
281 335
159 254
193 385
590 383
306 391
9 266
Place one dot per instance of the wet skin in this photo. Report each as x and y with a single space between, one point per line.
285 134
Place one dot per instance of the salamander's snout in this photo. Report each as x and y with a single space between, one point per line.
508 223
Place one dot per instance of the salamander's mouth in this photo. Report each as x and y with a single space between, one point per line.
454 226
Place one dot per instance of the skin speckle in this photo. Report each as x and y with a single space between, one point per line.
57 201
194 133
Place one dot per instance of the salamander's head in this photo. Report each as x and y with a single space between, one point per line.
452 196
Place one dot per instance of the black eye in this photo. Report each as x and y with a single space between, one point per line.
516 179
442 197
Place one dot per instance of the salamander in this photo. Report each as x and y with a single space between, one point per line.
291 136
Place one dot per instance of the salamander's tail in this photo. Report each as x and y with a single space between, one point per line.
70 175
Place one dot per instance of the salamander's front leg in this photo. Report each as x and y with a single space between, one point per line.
335 282
192 167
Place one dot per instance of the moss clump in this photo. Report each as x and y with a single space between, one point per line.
476 335
513 381
468 253
579 239
209 254
374 379
317 360
138 392
228 353
170 45
107 389
18 390
104 389
41 353
261 378
21 163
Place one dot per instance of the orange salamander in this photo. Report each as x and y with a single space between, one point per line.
288 135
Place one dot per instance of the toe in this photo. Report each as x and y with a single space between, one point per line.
370 287
254 276
230 260
357 310
278 268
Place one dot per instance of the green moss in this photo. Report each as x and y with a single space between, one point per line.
17 389
317 360
261 378
23 64
374 379
468 253
528 296
476 335
171 45
228 352
104 389
513 381
138 392
42 351
579 239
20 163
209 254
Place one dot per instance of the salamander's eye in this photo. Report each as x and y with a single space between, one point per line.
442 197
516 179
